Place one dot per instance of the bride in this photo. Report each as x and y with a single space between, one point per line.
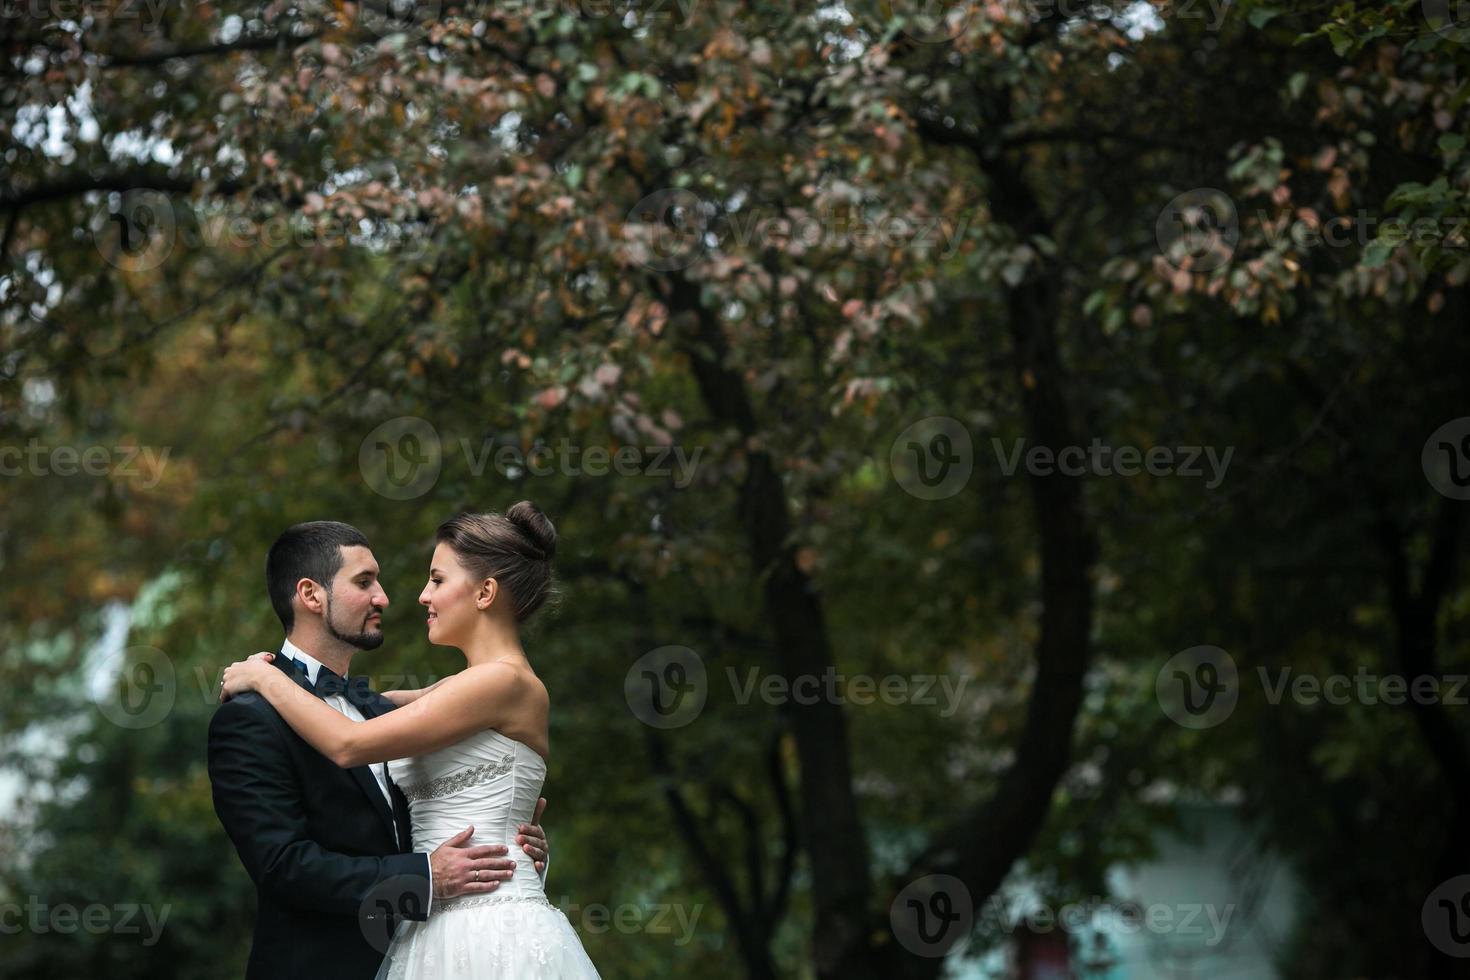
471 749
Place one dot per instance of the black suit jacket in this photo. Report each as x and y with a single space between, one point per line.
318 842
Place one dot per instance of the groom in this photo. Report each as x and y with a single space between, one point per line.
329 848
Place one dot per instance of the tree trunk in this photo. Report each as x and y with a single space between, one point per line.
833 832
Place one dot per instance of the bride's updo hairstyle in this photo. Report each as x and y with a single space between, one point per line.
514 548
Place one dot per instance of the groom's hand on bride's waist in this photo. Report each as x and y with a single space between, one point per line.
457 868
533 839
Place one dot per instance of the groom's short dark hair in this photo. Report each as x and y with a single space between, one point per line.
312 550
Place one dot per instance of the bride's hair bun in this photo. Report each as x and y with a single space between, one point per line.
515 547
535 525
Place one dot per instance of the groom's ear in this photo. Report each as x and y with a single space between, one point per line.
311 595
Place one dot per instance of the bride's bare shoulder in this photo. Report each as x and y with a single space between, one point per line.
514 701
507 679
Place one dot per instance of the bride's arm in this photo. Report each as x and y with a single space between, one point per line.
455 708
401 698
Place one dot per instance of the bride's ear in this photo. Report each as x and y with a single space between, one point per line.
489 589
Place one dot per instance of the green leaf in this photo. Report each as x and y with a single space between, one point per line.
1404 194
1342 41
1296 85
1375 254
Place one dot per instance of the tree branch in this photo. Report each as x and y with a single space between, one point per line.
280 41
142 179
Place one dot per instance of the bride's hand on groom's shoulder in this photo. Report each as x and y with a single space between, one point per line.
249 674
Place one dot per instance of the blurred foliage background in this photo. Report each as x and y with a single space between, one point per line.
241 239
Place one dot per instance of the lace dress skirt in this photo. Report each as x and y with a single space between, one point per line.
488 937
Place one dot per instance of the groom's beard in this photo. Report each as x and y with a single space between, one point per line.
363 639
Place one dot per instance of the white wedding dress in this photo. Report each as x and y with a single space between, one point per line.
512 933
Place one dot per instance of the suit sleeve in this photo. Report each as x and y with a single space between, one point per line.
258 801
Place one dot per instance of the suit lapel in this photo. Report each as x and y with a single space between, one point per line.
380 706
370 709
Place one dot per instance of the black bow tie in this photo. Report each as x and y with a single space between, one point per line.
330 684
